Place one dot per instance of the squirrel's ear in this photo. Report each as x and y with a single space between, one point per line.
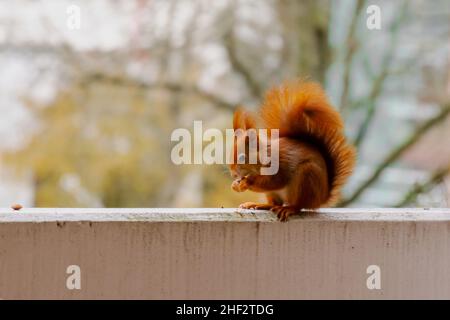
249 121
243 120
238 119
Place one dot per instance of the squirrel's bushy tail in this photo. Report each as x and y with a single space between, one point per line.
300 110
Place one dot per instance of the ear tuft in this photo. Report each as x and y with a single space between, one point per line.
243 120
249 121
238 119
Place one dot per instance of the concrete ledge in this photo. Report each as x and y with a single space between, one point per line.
224 254
213 214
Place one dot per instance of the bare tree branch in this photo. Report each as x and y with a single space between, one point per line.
174 87
397 152
321 30
378 82
239 67
371 101
352 46
305 29
436 178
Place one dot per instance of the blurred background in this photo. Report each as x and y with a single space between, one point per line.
88 105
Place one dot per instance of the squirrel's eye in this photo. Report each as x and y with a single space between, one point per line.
241 158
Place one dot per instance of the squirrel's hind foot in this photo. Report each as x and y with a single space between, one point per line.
284 212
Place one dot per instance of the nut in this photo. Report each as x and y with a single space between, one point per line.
16 206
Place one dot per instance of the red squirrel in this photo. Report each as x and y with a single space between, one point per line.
315 159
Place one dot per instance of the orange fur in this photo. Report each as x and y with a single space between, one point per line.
300 110
315 159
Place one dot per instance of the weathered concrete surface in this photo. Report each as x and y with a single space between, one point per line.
218 253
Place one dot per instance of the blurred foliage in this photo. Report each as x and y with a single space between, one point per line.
104 140
106 143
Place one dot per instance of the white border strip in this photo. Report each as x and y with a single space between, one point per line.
8 215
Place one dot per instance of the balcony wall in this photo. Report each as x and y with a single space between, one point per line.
223 254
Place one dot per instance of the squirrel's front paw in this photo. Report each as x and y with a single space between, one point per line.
240 185
255 205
